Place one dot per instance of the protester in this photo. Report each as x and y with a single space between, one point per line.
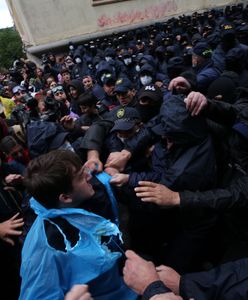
163 109
61 173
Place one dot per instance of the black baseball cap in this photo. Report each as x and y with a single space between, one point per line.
123 85
127 117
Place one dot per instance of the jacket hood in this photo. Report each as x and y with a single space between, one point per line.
148 59
104 66
148 68
77 85
77 53
178 124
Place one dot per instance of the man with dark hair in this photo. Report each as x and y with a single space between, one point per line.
65 239
54 173
205 70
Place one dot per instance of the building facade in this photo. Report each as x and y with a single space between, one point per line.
51 24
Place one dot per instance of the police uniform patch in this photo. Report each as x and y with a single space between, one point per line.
227 27
119 81
120 113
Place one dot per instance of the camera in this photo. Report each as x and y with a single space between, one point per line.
52 110
26 111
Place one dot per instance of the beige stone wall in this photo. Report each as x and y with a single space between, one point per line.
45 21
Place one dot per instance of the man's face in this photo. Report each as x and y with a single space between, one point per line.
39 72
52 84
52 57
7 91
73 92
49 80
87 109
19 95
60 96
196 60
109 89
66 77
87 82
140 46
82 190
125 97
17 153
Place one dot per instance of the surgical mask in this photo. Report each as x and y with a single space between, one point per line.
145 80
127 61
71 47
78 60
137 68
122 139
90 66
108 58
96 66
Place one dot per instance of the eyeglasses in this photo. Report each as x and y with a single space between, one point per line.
56 89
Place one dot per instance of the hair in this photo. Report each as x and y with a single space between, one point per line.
50 175
8 143
87 99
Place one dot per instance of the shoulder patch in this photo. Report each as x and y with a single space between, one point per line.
120 113
119 81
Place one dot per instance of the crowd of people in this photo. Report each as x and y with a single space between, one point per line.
141 134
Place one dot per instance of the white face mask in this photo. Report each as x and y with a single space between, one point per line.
103 76
108 58
78 60
122 139
71 47
145 80
127 61
137 68
96 66
69 63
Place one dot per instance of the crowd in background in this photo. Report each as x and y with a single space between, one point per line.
162 110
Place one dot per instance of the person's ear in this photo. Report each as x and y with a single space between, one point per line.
64 198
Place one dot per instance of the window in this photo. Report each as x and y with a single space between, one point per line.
102 2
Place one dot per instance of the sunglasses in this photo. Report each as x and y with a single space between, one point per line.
20 93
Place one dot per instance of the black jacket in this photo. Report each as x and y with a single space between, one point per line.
227 282
181 166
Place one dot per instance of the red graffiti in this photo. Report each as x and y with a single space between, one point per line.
151 12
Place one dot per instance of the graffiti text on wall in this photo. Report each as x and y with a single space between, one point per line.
151 12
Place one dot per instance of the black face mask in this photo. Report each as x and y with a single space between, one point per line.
160 56
228 42
147 112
